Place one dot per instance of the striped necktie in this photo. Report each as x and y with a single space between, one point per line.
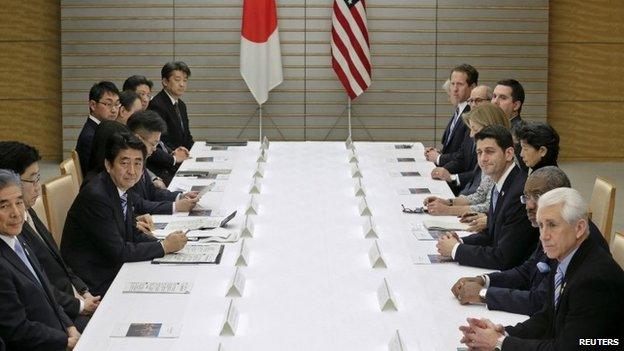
494 197
124 203
558 284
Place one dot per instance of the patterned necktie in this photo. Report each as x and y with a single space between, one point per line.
124 203
19 250
176 108
558 281
494 197
455 119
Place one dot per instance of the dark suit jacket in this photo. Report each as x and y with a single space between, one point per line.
523 289
461 132
61 276
31 319
147 198
98 240
509 238
471 186
98 148
463 165
85 143
162 163
174 136
516 122
590 306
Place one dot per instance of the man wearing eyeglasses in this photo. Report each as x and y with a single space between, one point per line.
522 289
24 160
103 106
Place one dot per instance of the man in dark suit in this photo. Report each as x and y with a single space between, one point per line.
103 106
509 238
463 79
171 108
522 289
100 234
584 306
509 96
148 127
23 160
163 162
31 317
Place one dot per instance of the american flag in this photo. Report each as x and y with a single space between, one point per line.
350 46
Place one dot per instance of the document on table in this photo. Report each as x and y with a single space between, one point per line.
146 330
441 224
430 259
205 174
199 253
157 288
422 233
211 159
200 223
413 191
404 174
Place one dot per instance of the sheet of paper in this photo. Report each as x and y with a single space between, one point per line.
146 330
445 224
194 253
419 259
396 174
158 287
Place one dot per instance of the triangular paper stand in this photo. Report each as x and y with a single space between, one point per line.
355 171
375 256
396 343
243 255
252 207
353 157
349 143
364 210
259 172
255 187
231 320
248 228
265 143
237 285
359 188
263 156
369 229
384 297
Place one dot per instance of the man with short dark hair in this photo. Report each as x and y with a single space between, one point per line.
103 106
522 289
463 79
142 86
584 302
169 105
509 96
100 233
148 127
509 238
31 319
24 160
130 103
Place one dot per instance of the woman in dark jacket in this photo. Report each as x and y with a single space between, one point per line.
540 145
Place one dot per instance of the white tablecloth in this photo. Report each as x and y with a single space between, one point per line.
310 285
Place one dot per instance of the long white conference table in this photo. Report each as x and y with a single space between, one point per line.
309 279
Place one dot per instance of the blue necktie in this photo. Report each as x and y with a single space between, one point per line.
124 203
494 197
19 250
450 133
558 280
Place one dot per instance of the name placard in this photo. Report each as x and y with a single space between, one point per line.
385 298
349 143
364 209
375 256
237 285
252 206
248 228
355 171
265 143
230 322
243 255
263 156
396 343
255 187
259 172
353 157
359 188
369 229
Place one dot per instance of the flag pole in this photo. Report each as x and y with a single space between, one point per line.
349 115
260 122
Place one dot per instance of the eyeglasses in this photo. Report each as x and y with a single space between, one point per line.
476 100
110 105
145 95
526 198
33 181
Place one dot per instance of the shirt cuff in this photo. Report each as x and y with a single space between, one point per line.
454 250
486 278
173 208
455 178
437 161
81 305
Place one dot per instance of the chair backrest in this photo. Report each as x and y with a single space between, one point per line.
602 206
617 248
40 210
79 175
58 196
69 167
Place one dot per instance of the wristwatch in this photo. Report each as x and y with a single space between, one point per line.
450 201
482 294
499 343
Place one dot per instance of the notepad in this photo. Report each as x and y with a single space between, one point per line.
194 254
158 287
440 224
146 330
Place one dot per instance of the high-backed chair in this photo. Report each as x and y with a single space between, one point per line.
40 210
602 206
617 248
71 166
58 196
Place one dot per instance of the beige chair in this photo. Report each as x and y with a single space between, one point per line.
71 166
58 196
602 206
40 210
617 248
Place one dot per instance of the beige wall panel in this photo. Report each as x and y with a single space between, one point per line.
29 20
598 21
591 130
32 69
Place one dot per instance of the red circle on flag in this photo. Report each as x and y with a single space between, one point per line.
259 20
